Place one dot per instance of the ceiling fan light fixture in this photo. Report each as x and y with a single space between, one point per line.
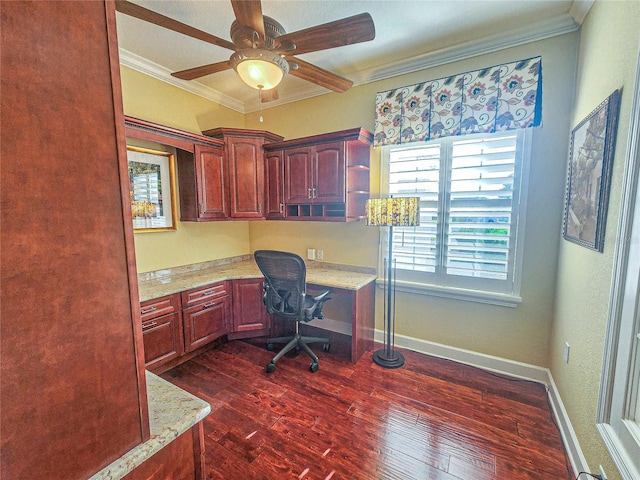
258 68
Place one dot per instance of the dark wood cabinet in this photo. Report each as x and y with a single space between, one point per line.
201 168
72 378
315 174
274 185
203 184
161 330
326 177
244 166
182 459
206 314
250 318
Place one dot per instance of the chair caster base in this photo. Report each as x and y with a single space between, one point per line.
270 367
313 367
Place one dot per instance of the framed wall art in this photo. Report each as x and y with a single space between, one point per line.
152 190
589 175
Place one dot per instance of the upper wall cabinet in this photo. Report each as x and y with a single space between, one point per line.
324 177
244 166
200 165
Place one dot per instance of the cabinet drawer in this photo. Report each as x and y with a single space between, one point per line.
159 306
204 323
207 293
162 337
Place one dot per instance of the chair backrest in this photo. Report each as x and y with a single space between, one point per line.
285 276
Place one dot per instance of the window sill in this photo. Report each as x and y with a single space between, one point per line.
490 298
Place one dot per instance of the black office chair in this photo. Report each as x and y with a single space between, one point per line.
285 295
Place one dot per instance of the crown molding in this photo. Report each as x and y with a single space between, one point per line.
559 25
152 69
580 9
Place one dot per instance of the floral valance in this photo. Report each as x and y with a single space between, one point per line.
498 98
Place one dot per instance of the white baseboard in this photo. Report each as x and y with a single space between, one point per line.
511 368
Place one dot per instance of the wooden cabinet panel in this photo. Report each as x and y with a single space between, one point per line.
205 323
211 183
250 316
244 169
206 314
161 330
202 182
182 459
297 168
199 295
246 177
328 173
274 186
162 339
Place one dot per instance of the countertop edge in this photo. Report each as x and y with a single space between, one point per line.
172 411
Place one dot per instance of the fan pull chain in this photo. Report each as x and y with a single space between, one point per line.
260 100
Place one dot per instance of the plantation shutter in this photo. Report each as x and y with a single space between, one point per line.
416 172
479 208
469 201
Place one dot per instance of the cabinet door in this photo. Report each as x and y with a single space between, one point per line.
274 186
206 322
246 177
211 183
249 313
329 173
297 168
162 338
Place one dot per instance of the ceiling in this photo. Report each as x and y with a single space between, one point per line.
410 35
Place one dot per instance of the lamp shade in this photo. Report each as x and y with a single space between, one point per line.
393 211
260 69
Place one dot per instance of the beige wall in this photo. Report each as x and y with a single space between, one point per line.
156 101
521 333
609 44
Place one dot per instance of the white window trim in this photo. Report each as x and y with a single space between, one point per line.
617 398
466 294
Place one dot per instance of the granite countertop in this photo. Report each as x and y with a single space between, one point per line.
172 411
173 280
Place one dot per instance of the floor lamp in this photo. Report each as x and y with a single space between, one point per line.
391 212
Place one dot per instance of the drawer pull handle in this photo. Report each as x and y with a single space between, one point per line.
149 325
208 304
144 311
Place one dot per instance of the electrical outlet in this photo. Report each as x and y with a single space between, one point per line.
603 475
566 352
311 253
319 254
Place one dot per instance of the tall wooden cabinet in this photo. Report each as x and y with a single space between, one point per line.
244 170
73 388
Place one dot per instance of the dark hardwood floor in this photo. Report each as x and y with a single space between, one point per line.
431 419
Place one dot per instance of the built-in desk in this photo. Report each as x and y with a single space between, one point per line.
351 310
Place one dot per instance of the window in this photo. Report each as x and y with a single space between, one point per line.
471 190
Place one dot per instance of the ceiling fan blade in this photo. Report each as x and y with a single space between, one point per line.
350 30
269 95
317 75
202 71
249 13
133 10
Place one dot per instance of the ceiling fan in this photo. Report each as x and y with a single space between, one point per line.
263 51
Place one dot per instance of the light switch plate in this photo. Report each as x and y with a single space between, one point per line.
311 253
